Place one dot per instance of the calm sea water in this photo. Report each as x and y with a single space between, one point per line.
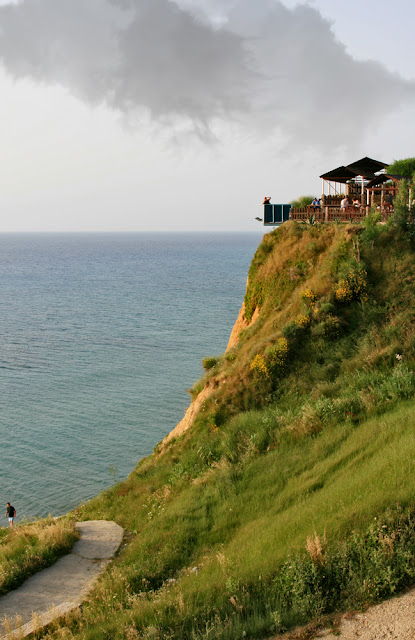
100 337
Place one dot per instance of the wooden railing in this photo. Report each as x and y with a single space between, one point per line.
334 214
328 214
305 213
349 214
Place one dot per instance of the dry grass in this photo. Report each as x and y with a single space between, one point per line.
29 547
316 548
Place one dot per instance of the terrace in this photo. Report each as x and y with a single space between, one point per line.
364 186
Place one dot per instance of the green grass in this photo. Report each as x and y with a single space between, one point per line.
292 496
239 526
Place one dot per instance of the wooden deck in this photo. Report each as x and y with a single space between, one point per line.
333 213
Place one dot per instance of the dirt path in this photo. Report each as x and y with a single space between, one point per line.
63 586
390 620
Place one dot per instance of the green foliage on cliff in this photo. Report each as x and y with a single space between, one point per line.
292 495
405 167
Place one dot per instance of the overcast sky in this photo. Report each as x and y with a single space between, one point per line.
136 115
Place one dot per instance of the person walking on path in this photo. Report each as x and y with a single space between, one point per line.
10 513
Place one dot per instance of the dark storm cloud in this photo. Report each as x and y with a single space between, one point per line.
266 66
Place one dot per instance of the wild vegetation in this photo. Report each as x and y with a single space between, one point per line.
292 495
28 548
404 167
301 202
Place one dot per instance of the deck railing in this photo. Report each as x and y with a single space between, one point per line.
328 214
277 214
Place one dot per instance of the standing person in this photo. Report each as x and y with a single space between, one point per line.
10 513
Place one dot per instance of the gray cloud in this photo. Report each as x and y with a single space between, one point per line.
268 67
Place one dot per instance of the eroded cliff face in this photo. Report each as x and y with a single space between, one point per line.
189 416
192 411
241 324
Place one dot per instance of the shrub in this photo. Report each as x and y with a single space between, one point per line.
326 307
302 202
293 332
362 570
400 384
308 297
274 359
403 216
259 367
277 354
352 287
372 229
331 326
303 321
209 362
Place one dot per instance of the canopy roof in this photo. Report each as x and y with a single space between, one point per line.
341 174
366 167
384 177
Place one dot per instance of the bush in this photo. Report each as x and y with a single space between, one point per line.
329 327
371 228
403 216
308 297
209 362
352 287
294 332
302 202
405 168
259 367
277 354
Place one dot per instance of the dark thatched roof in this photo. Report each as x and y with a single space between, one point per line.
366 167
384 177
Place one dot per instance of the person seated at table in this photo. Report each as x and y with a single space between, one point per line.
344 204
356 204
267 200
316 204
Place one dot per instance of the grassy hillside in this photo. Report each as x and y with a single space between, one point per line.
292 495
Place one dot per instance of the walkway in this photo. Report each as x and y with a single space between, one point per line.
63 586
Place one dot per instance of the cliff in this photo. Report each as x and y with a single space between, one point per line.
291 495
195 406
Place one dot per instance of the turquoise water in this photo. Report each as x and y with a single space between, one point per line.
100 337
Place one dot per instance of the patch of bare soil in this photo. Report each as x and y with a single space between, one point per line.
393 619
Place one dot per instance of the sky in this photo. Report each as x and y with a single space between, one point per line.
162 115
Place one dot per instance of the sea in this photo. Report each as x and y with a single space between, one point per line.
101 336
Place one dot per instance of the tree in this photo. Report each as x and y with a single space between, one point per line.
405 168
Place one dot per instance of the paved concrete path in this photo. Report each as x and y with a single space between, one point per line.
63 586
